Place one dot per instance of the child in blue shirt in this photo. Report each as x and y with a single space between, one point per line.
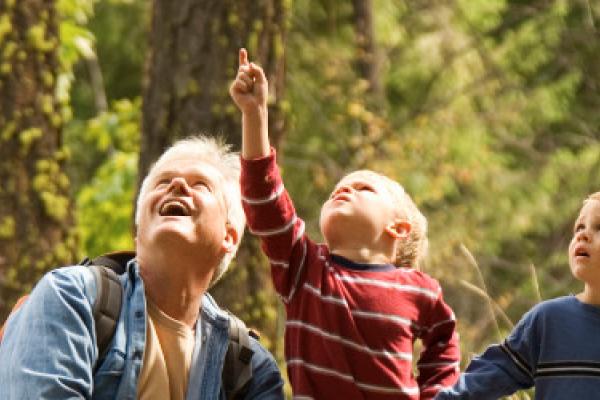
556 345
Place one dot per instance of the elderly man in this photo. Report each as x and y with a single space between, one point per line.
171 337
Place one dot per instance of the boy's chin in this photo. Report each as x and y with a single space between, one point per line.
586 273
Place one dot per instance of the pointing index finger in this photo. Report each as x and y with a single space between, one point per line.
243 57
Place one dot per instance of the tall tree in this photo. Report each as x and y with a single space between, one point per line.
35 207
193 56
366 55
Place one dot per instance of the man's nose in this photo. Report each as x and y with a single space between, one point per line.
179 185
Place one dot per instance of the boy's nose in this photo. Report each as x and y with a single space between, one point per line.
582 235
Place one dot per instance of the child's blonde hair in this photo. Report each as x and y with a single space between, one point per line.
413 252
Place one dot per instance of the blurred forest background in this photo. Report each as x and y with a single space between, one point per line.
487 111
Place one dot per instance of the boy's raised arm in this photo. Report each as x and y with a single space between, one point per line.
249 91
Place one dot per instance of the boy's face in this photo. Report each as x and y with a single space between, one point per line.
584 249
358 210
184 206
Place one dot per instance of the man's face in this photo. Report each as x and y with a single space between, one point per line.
184 206
584 250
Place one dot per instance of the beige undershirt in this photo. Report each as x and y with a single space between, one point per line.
167 357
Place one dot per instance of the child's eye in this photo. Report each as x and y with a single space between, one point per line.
578 227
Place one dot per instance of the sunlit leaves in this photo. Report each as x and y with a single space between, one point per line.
106 149
105 206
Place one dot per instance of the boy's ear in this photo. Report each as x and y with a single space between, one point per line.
399 229
231 239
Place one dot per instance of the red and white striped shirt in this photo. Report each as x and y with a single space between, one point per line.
350 327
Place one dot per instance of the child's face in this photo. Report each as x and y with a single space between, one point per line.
584 250
358 210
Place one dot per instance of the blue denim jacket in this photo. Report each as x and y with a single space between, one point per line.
49 349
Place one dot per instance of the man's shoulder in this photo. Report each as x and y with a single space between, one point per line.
267 380
260 352
210 306
70 279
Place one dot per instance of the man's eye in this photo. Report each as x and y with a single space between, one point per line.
200 185
163 182
579 227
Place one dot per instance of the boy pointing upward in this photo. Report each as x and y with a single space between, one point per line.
353 309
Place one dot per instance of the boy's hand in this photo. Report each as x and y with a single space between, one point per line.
249 90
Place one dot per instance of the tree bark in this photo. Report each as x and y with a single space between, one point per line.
193 58
366 59
35 207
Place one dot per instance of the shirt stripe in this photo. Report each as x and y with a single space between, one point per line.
265 200
411 391
387 285
517 359
275 231
359 324
349 343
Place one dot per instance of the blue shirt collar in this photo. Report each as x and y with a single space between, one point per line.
349 264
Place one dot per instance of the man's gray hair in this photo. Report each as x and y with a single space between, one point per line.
217 153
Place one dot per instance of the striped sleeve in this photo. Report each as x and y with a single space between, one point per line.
438 363
271 216
502 369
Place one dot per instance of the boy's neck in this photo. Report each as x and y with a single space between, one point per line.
362 255
590 295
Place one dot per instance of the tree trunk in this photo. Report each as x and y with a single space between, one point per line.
35 207
366 59
192 60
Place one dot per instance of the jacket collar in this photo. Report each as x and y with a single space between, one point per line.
210 312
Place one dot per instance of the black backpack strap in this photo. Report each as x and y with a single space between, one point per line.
109 295
116 261
107 307
237 371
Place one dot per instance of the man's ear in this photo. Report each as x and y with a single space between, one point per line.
399 229
231 238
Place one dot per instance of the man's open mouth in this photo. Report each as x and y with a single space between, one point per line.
174 209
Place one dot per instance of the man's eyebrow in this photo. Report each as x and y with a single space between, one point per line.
213 182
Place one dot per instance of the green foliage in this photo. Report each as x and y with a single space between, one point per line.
74 15
487 121
105 150
119 29
488 116
105 206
